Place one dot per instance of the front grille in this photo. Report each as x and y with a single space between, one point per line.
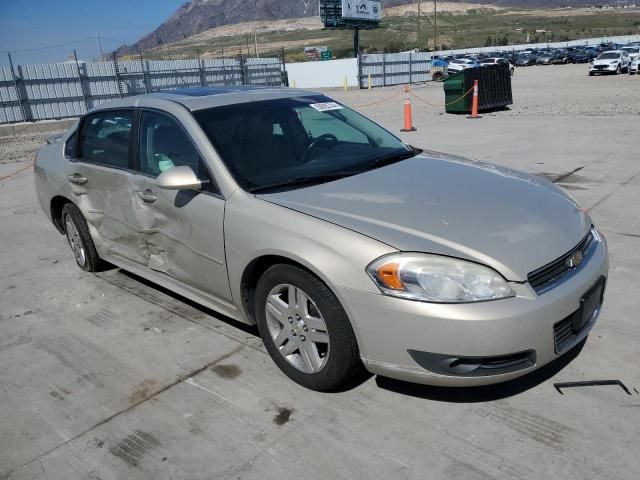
546 277
601 67
562 332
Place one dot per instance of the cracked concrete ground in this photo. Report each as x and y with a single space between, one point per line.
108 377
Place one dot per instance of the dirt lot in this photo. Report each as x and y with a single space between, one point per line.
108 377
538 92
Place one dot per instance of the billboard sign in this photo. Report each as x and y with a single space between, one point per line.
315 53
367 10
350 13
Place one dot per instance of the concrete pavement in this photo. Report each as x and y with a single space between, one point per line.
108 377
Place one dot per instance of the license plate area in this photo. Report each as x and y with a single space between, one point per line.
566 331
589 304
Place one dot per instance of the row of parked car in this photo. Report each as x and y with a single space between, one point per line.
604 58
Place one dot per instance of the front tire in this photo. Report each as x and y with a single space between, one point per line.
80 241
305 329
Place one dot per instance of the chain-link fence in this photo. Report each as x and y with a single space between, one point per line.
59 90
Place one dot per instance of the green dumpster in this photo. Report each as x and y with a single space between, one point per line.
454 89
494 89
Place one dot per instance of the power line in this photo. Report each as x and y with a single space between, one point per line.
50 46
66 44
113 40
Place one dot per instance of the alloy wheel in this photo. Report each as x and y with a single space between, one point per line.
75 242
297 328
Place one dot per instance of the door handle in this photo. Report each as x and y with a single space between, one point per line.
77 179
147 196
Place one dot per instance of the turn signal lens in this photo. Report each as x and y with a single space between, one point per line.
388 275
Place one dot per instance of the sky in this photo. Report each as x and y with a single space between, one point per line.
33 24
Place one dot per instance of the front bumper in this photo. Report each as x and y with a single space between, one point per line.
391 330
602 69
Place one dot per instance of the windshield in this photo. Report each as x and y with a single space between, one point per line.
287 142
632 49
609 56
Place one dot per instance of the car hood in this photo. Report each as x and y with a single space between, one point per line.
447 205
605 62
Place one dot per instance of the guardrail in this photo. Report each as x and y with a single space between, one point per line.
60 90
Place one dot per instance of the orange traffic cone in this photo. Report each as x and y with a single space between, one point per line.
408 124
474 104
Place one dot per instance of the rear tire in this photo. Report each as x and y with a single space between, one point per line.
309 337
80 241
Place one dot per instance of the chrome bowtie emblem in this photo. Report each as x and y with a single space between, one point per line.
574 260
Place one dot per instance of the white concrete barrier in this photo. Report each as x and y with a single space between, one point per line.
323 74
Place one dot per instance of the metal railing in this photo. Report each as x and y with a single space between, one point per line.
60 90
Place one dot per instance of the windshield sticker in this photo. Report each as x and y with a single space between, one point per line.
325 107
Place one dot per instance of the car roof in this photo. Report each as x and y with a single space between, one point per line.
613 51
200 98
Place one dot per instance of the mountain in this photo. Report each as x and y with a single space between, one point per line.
197 16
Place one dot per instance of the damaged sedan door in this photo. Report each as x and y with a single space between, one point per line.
181 230
98 172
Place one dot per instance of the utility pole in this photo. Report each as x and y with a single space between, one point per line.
255 33
435 24
100 47
418 40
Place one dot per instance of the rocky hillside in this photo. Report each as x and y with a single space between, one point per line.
197 16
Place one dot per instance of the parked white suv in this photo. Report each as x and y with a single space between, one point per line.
633 67
633 51
612 61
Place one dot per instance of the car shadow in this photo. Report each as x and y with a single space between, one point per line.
486 393
250 329
427 392
358 379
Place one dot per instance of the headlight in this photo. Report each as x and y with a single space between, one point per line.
437 279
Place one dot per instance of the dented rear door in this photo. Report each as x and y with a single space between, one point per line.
100 181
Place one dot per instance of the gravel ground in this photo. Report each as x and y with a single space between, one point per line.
106 376
558 91
21 148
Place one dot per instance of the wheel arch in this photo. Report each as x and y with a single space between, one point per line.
256 268
56 205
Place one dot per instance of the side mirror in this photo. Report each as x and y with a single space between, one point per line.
178 178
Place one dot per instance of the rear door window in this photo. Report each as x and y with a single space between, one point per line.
105 138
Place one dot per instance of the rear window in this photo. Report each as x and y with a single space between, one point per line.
105 138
